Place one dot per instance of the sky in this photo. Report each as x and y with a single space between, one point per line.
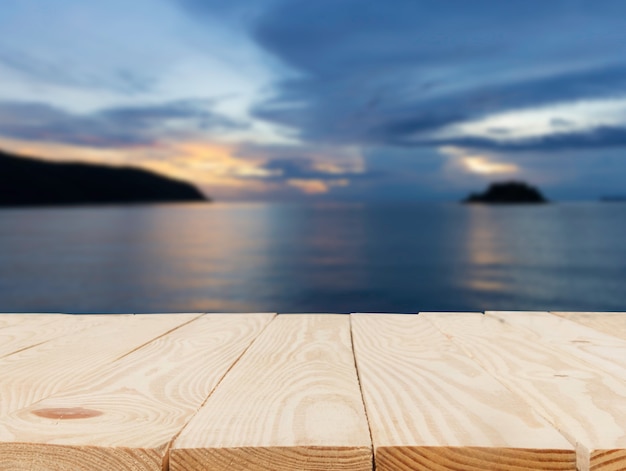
348 100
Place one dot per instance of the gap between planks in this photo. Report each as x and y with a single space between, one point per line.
128 409
431 407
474 455
578 398
291 405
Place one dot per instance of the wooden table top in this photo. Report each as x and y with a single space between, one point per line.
506 391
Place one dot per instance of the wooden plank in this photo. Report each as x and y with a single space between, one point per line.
9 319
611 323
291 403
14 319
39 372
430 407
125 418
30 330
589 345
583 402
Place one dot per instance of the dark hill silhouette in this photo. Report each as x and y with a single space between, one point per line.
26 181
507 193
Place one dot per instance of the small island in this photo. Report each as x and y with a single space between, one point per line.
26 181
508 193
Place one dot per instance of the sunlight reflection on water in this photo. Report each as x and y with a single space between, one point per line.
289 258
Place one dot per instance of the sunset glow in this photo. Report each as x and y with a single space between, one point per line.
280 99
484 166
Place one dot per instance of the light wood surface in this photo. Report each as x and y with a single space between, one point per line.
589 345
291 403
11 319
137 403
30 330
44 370
611 323
444 391
583 402
430 407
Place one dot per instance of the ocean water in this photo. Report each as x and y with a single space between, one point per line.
325 258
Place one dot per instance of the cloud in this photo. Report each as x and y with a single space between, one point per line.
308 169
485 166
349 92
127 126
51 71
310 162
598 137
311 176
316 187
311 169
476 163
373 73
112 47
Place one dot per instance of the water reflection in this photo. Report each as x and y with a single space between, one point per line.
486 255
288 258
135 259
545 257
483 245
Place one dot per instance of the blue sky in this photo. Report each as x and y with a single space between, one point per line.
332 99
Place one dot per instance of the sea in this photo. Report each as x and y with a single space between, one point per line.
335 258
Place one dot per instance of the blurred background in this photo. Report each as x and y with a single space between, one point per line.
279 155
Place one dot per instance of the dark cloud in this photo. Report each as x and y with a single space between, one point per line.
376 73
309 169
380 73
197 112
309 162
367 34
336 120
599 137
113 127
295 168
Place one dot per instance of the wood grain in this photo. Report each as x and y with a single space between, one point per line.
611 323
589 345
292 402
125 418
444 391
30 330
430 407
34 457
48 368
12 319
584 403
